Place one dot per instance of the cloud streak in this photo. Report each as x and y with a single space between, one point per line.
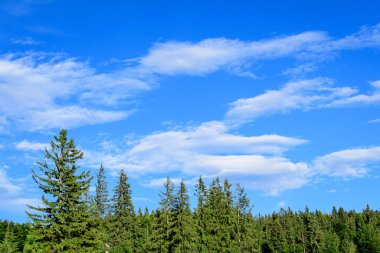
236 56
31 146
52 91
348 163
300 95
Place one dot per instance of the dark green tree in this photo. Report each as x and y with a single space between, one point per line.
63 222
184 232
199 214
246 236
9 244
163 229
122 223
101 197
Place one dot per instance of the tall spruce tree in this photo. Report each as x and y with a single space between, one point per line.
184 238
101 197
163 228
214 215
64 222
229 219
246 238
122 223
199 214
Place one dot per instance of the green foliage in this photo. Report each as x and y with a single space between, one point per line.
64 222
9 244
101 197
184 232
163 230
122 222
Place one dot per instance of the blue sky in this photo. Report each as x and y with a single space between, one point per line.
282 96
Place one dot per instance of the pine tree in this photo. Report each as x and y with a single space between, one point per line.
246 238
184 233
122 226
63 222
229 219
101 197
199 214
163 229
214 211
9 244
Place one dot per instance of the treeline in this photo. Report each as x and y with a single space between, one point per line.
70 220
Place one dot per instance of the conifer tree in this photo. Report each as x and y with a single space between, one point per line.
143 230
101 197
163 229
229 219
122 222
214 210
184 233
63 222
9 244
245 230
199 214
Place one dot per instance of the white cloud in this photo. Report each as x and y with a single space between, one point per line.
374 121
297 95
348 163
43 91
209 55
33 146
332 191
73 116
210 150
26 41
300 70
300 95
159 182
360 99
366 37
6 186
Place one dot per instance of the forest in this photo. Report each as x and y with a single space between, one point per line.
71 219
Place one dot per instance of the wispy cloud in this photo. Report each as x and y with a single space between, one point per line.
46 91
210 150
360 99
236 56
348 163
260 165
6 186
374 121
30 146
301 70
211 55
300 95
21 7
26 41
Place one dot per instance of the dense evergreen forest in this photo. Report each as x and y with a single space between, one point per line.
71 220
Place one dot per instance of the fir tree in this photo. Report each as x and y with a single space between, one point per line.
123 221
199 214
184 238
63 222
245 230
163 229
214 210
101 197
